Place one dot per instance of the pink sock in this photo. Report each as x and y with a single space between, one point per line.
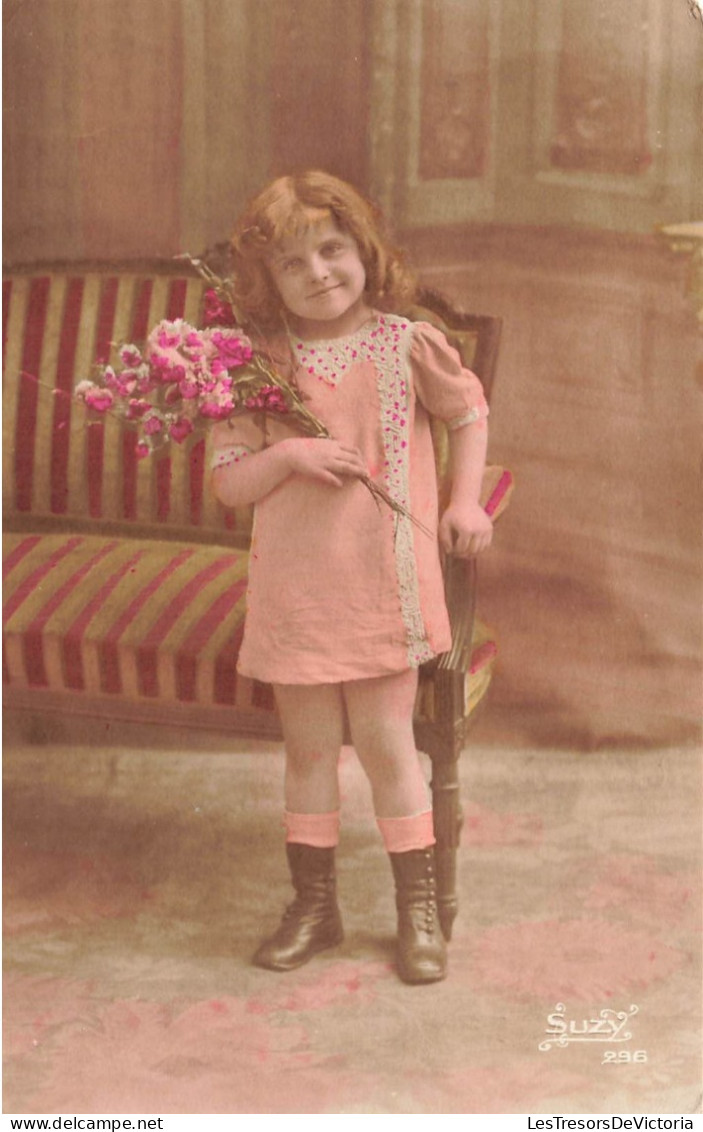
400 835
319 830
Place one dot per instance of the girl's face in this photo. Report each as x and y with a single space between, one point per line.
321 280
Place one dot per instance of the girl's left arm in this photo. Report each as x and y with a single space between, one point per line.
465 529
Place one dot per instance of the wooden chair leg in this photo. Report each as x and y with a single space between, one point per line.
447 814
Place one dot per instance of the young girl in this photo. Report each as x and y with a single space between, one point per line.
345 596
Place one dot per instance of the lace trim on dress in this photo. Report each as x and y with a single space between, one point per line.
391 356
330 359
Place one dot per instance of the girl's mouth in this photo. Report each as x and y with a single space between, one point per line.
325 291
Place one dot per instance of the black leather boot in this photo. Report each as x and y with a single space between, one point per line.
312 922
421 951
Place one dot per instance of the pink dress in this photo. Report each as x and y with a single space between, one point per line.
340 587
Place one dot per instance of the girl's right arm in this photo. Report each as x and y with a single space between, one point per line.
251 477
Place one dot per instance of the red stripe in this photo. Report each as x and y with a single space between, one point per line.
37 577
200 634
226 668
65 374
96 433
197 481
177 298
6 297
111 680
140 320
32 645
498 493
72 643
148 649
130 460
25 429
20 551
94 454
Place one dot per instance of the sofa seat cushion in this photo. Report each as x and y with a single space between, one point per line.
146 620
140 619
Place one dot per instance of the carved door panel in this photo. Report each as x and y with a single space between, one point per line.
553 111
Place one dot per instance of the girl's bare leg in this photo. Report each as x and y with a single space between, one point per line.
381 722
312 717
313 729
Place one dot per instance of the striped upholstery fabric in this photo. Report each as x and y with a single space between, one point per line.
56 327
123 579
120 617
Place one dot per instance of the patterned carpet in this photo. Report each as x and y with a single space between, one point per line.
138 880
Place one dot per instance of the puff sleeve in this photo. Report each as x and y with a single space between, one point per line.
442 383
232 441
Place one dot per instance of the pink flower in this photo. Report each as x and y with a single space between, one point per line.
217 312
193 344
130 356
142 449
188 388
168 335
180 429
269 398
152 425
217 410
137 407
232 349
99 399
164 369
122 383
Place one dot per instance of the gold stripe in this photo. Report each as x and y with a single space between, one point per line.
146 468
194 297
14 659
205 681
43 431
113 464
179 511
166 676
127 664
212 508
53 666
91 666
16 328
83 371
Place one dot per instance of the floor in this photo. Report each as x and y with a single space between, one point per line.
140 872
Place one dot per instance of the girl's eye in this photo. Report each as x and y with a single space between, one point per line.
291 264
332 248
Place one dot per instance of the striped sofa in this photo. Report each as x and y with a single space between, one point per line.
124 579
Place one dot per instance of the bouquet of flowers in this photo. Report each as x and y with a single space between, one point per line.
185 378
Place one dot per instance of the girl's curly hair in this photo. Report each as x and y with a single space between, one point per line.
287 207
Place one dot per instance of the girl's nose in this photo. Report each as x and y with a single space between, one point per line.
318 268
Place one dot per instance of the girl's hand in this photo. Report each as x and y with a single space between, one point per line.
465 530
325 460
